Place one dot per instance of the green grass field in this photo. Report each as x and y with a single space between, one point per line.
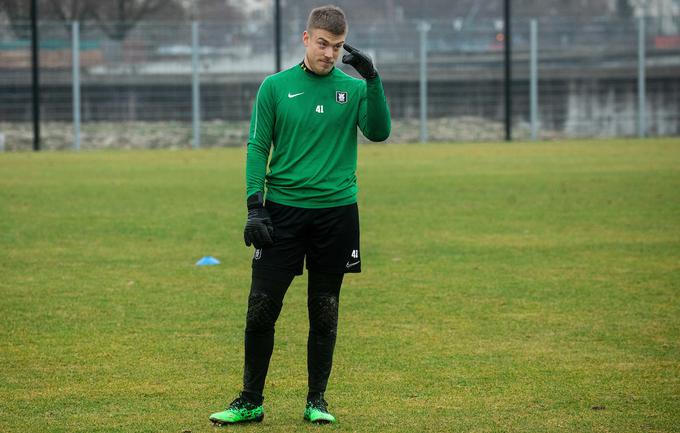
506 288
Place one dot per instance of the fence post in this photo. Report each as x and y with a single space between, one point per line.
75 50
507 43
534 79
35 74
195 90
642 123
277 35
423 28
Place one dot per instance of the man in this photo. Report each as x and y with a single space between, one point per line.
307 116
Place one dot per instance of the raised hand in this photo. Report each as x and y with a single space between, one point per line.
360 61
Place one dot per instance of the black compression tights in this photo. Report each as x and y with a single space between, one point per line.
264 305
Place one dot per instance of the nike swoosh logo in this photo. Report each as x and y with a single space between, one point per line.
349 265
290 95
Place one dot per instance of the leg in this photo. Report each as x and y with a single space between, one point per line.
273 270
264 305
322 302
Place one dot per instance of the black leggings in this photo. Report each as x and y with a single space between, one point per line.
264 305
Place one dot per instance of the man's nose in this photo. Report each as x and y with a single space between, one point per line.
328 52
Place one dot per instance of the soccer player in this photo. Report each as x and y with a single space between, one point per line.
304 205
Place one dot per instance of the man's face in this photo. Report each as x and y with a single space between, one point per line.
322 50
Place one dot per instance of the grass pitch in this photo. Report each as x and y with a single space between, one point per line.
507 288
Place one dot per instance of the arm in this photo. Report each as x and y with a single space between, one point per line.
259 139
374 114
259 230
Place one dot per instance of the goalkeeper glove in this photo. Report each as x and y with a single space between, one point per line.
361 62
259 230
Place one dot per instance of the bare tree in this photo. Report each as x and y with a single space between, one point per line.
214 10
118 17
358 10
624 9
70 10
18 13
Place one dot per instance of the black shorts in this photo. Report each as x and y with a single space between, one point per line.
328 238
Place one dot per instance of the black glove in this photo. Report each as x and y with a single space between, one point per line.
361 62
259 230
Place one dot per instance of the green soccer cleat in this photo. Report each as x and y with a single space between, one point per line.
239 411
316 412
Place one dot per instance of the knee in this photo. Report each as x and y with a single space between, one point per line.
323 314
263 310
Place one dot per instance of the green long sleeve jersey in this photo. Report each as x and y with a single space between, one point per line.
309 122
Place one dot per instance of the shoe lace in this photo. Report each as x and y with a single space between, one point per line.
235 404
320 404
240 403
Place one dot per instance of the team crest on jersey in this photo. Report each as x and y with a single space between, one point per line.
341 97
258 254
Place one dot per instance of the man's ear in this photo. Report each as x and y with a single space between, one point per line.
305 38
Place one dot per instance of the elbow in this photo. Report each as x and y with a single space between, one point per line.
379 136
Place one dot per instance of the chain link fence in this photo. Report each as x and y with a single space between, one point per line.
171 85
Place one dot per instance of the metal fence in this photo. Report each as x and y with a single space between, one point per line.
193 84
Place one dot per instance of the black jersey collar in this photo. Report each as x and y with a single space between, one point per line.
310 72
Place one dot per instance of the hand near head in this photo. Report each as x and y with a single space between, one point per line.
360 61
